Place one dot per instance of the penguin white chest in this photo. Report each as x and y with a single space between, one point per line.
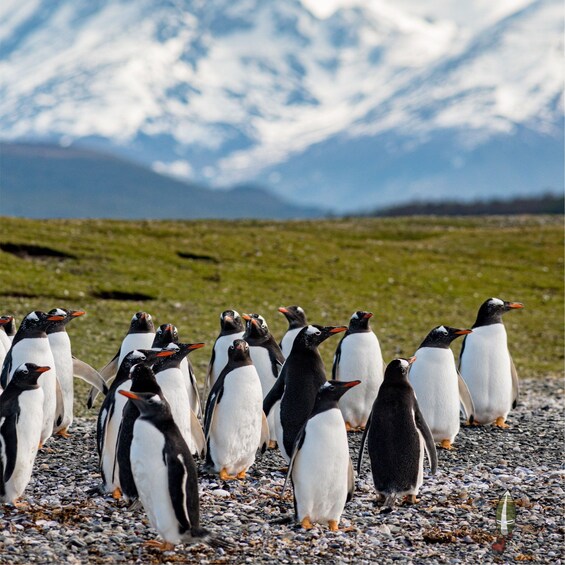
486 368
135 341
321 469
288 341
262 361
61 348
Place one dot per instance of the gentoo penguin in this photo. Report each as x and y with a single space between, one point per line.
296 321
397 437
165 334
165 474
21 417
439 388
5 342
267 357
8 324
302 375
110 417
31 345
358 355
231 328
235 424
320 467
140 335
172 383
486 365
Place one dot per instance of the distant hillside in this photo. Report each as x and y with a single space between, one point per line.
49 181
546 204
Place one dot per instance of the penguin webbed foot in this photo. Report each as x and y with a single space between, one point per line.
446 444
224 476
64 433
500 423
306 523
161 545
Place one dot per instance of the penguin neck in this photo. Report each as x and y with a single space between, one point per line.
30 333
431 342
322 405
487 319
295 324
230 331
357 331
257 340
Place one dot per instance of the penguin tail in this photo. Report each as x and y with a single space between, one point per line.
201 535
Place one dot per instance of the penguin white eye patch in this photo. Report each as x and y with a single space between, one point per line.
32 316
497 301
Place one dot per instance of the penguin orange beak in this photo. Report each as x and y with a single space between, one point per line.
129 394
165 353
338 329
169 328
194 346
228 319
77 313
368 315
464 332
42 369
6 320
246 317
56 318
515 305
350 384
283 310
411 360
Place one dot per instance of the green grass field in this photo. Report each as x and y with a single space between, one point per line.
413 273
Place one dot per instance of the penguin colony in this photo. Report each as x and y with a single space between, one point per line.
259 394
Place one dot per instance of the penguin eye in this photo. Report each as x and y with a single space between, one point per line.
143 358
25 371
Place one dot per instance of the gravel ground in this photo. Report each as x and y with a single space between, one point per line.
454 521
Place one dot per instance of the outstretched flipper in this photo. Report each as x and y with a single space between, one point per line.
108 372
363 442
428 438
87 373
274 395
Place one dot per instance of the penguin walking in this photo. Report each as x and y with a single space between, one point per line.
140 335
296 318
165 475
397 437
359 355
165 334
110 417
31 345
235 424
21 417
320 467
231 328
302 375
268 359
486 365
438 386
172 383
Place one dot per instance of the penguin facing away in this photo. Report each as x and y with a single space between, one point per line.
165 475
320 467
21 417
296 318
359 355
231 328
235 424
302 375
486 365
397 436
439 388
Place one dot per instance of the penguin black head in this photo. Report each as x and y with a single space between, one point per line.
141 323
35 324
26 375
255 326
230 322
143 379
442 336
295 315
149 404
491 311
311 336
398 369
165 334
239 351
144 356
8 325
334 390
173 354
359 322
68 315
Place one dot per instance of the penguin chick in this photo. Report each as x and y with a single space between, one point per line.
320 467
359 354
235 424
165 475
397 436
439 388
486 365
296 318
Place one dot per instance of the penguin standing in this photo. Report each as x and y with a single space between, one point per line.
8 324
165 474
5 342
439 388
267 358
486 365
397 437
172 383
359 355
231 328
21 417
235 424
296 321
31 345
302 375
320 467
165 334
140 335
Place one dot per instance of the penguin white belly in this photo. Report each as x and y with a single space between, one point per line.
193 398
28 434
485 367
434 378
61 348
135 341
109 461
152 479
173 388
321 468
279 429
221 354
288 340
262 362
236 427
361 359
5 342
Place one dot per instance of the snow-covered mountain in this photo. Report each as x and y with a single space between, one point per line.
380 101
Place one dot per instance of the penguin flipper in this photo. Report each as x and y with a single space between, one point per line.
465 398
337 358
197 434
350 481
179 488
196 394
9 436
515 383
295 451
363 442
108 372
427 435
213 400
87 373
6 369
265 433
208 381
274 394
59 403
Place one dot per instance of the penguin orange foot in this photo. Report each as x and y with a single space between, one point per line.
306 524
333 525
446 444
272 444
162 545
63 433
225 476
117 493
411 499
500 423
242 474
348 427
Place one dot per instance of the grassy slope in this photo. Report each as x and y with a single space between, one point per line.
412 273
